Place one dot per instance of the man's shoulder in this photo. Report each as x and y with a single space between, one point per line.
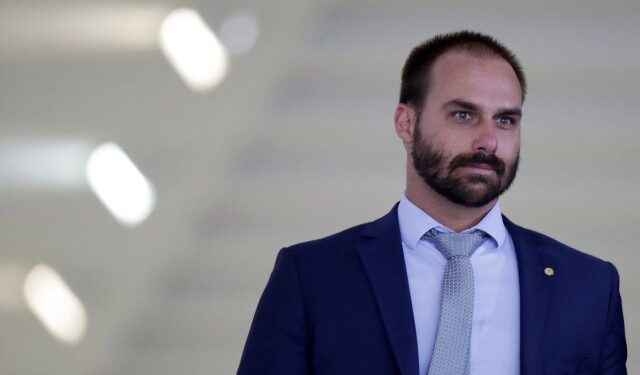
344 240
348 240
558 251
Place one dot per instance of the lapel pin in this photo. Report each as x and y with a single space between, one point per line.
549 271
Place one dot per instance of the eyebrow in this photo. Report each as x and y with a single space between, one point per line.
515 111
461 103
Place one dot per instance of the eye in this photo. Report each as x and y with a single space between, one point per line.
462 116
505 121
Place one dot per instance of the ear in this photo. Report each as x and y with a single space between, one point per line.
405 120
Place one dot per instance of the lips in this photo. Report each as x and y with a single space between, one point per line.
481 166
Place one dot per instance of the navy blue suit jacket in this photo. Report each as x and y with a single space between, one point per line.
341 305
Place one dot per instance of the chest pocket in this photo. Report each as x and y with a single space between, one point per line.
569 366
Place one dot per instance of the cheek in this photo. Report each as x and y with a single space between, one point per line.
510 146
448 140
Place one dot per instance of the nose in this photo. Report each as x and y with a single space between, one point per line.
486 139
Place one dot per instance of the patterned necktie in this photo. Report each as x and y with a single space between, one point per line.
451 351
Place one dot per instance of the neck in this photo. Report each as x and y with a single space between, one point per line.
455 216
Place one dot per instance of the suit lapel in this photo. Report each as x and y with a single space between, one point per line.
383 259
535 290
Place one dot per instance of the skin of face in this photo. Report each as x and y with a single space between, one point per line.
473 106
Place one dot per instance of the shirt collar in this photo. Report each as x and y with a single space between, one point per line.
414 223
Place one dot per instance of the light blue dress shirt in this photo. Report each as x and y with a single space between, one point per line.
495 334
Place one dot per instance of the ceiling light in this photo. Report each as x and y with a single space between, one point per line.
119 184
193 49
55 305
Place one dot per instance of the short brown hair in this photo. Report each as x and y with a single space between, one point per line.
417 69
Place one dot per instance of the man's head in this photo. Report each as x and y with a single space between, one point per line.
459 116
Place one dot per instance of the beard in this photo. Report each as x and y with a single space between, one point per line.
471 190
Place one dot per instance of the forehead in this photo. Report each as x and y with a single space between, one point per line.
486 80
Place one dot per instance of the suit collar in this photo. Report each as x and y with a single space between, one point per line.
414 223
383 259
535 291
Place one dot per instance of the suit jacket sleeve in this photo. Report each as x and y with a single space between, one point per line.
277 342
614 354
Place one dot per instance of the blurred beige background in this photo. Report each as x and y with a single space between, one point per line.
296 142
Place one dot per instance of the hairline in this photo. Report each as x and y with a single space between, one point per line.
481 52
417 70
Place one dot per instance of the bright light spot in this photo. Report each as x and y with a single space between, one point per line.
193 49
55 305
239 33
117 182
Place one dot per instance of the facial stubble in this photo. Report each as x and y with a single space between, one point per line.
471 190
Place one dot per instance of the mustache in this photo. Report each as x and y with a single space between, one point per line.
470 160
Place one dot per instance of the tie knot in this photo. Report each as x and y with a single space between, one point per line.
456 244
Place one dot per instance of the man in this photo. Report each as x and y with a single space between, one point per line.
443 284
